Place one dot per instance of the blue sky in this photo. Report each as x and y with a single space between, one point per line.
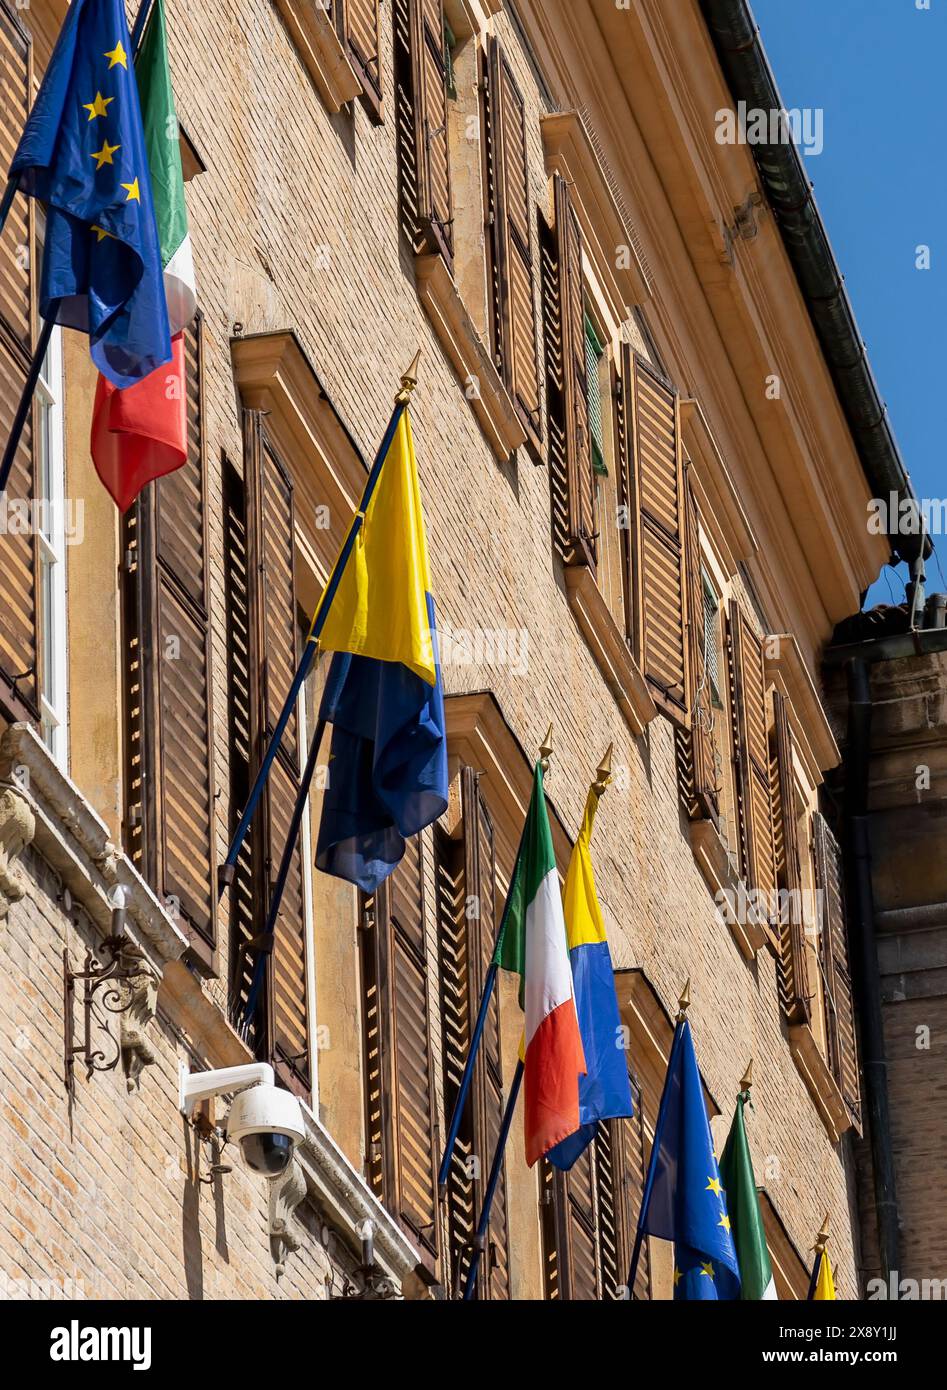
878 71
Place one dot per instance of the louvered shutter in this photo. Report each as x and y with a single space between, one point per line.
630 1147
792 975
270 532
657 536
421 112
833 954
18 599
359 23
399 1092
510 242
751 754
169 777
696 755
466 878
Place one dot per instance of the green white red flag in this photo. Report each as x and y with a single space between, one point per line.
533 944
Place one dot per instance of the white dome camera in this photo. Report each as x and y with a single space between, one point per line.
265 1121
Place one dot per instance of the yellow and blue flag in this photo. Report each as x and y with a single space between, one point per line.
605 1090
387 774
83 153
688 1204
822 1284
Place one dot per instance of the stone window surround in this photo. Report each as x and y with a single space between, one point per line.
39 804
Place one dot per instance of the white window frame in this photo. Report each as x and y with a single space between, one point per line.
54 668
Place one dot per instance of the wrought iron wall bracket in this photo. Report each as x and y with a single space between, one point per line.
110 984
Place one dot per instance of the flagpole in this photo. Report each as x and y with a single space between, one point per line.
821 1240
683 1004
49 320
266 937
602 780
225 875
489 984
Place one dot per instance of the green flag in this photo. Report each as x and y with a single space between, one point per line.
743 1207
160 121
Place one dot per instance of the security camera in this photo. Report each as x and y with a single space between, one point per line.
265 1121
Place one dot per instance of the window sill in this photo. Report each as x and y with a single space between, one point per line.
819 1081
488 397
607 644
314 35
73 839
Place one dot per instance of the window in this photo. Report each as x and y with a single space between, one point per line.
594 355
841 1045
169 784
52 551
424 173
262 629
401 1158
589 1215
750 710
467 924
711 644
19 657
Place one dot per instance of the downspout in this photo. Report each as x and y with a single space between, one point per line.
863 942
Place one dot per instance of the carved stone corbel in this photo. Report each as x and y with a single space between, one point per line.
17 826
137 1053
286 1193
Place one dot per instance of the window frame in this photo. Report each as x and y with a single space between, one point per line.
52 582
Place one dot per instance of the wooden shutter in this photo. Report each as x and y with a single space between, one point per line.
589 1215
792 973
19 650
359 23
695 747
842 1047
169 760
657 537
467 922
751 754
421 110
270 532
509 239
571 476
399 1093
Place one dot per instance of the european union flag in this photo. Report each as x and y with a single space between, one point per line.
83 153
687 1203
388 765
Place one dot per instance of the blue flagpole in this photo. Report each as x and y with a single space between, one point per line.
483 1225
49 322
655 1152
228 868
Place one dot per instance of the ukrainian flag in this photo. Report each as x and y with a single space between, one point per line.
387 776
604 1091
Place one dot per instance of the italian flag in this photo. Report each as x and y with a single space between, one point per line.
743 1208
141 433
533 944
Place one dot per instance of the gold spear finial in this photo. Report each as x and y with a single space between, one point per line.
603 773
683 1004
822 1239
545 749
409 381
747 1079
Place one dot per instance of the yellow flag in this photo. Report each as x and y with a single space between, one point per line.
825 1284
380 608
584 922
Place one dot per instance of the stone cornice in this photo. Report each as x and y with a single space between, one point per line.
73 839
819 1081
467 353
478 736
